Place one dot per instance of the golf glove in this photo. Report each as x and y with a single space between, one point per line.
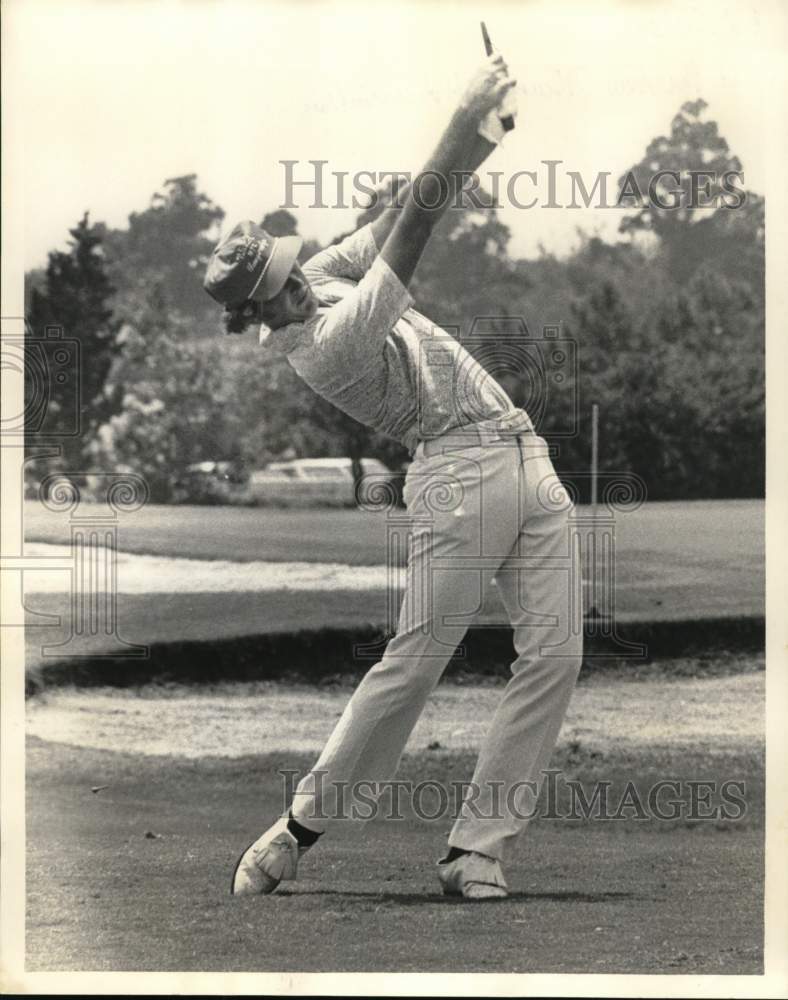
490 127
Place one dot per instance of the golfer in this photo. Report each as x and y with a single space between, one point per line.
481 493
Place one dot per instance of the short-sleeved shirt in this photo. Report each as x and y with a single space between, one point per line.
374 356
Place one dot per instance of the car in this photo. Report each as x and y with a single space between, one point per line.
330 481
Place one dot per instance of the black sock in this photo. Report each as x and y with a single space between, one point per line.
304 837
454 853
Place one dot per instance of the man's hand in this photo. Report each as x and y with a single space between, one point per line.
487 88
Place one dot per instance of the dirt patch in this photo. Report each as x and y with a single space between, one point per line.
714 714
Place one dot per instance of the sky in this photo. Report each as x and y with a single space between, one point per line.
108 99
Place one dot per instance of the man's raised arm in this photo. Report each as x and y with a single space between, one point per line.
402 233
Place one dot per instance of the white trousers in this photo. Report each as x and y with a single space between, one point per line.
494 509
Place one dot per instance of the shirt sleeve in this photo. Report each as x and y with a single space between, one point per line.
351 258
351 334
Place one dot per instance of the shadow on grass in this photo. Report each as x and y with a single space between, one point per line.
431 898
311 656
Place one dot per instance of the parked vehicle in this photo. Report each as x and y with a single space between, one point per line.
305 481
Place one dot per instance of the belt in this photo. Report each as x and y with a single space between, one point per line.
476 435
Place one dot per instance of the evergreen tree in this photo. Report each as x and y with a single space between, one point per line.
74 297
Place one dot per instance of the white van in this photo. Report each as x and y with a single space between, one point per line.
311 480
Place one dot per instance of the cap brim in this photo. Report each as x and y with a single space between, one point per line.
283 256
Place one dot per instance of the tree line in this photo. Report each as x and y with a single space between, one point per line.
663 328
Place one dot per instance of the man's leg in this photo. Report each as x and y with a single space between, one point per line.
456 551
541 587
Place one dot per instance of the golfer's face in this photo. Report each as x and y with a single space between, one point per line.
296 302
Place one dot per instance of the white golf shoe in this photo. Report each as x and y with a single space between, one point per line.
473 876
271 859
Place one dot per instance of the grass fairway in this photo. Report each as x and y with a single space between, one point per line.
685 533
136 877
673 562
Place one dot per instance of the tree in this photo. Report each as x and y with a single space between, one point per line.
679 384
175 407
713 332
75 296
668 331
284 223
681 193
693 145
169 242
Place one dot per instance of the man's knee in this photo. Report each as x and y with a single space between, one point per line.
561 662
